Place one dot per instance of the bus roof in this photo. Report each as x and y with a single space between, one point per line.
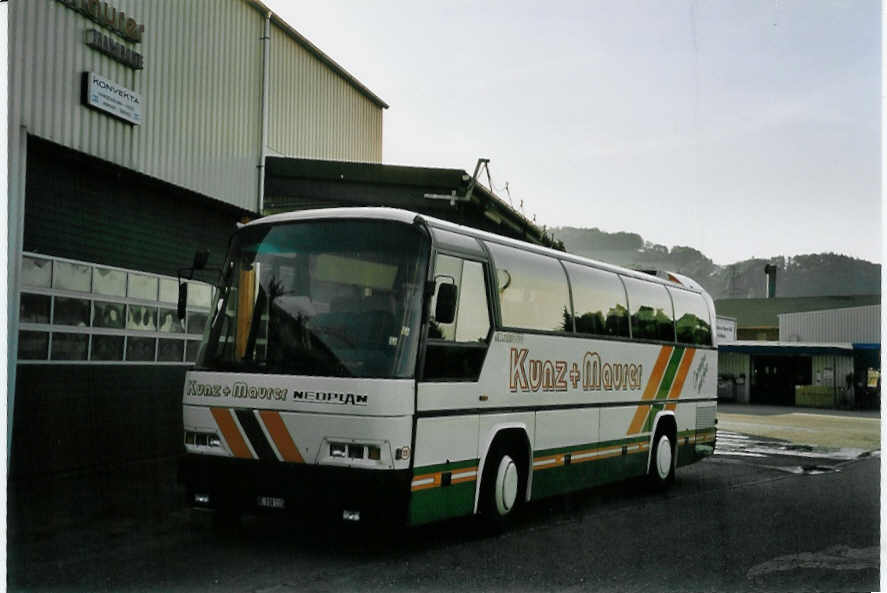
408 217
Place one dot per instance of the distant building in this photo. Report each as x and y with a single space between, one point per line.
758 319
819 358
725 328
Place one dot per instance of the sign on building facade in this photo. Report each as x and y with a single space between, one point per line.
104 95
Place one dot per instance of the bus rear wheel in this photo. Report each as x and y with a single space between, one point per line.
661 473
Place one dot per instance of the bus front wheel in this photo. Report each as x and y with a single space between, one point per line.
502 485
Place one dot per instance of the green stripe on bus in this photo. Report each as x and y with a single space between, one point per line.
664 387
444 467
441 503
594 445
651 416
670 371
567 478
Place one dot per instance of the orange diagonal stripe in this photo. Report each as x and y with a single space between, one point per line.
231 432
650 390
281 436
678 383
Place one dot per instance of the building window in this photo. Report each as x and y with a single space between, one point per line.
79 312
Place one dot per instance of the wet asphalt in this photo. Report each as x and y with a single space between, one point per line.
763 514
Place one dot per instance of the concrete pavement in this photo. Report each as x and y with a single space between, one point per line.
859 429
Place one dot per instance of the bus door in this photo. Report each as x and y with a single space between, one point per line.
446 443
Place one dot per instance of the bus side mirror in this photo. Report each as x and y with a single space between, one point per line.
445 311
183 299
201 256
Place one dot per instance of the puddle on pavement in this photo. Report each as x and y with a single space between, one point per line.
804 470
746 446
834 558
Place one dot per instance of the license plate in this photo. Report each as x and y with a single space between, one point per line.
271 502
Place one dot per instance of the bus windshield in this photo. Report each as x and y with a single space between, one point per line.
340 298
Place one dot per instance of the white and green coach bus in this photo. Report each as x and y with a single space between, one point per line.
388 365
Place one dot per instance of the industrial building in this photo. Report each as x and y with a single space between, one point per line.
825 358
758 319
139 132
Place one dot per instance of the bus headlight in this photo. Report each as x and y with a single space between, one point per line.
202 439
355 451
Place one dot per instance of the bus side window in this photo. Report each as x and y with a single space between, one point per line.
447 269
533 290
456 350
473 317
691 318
652 317
472 321
599 301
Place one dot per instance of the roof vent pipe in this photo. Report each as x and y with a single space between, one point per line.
770 286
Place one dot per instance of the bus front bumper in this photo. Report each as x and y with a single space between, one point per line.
238 485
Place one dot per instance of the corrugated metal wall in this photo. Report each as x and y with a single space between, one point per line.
201 90
839 367
736 366
853 324
314 112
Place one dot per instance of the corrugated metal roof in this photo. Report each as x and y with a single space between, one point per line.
763 313
291 183
785 348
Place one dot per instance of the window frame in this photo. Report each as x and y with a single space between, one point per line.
429 342
158 306
692 295
500 325
625 302
664 288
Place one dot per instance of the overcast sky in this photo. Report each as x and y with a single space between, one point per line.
741 128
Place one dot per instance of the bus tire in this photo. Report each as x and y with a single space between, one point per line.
660 475
502 487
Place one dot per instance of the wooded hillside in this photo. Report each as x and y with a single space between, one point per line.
820 274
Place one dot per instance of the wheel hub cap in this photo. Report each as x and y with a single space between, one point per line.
506 485
663 457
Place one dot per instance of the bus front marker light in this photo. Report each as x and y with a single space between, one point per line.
201 498
374 452
338 450
202 439
351 515
402 454
190 437
355 451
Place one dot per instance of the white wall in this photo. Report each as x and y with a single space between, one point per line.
853 324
